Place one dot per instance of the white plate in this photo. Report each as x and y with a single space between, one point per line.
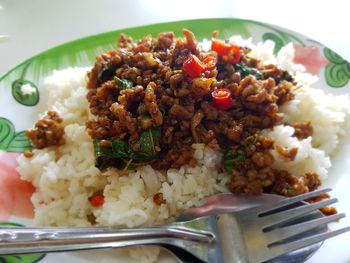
18 113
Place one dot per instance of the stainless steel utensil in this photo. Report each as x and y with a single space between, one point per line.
226 229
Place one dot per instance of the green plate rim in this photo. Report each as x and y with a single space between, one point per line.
222 19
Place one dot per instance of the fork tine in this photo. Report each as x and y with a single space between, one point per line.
283 233
288 215
292 200
280 249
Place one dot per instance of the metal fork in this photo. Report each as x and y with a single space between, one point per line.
276 229
256 234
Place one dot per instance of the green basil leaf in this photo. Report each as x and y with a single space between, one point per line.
287 76
230 159
123 83
121 149
107 72
122 154
101 151
290 190
148 141
227 165
246 71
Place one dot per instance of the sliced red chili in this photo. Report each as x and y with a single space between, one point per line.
210 62
229 53
97 200
222 99
220 47
193 66
143 48
234 55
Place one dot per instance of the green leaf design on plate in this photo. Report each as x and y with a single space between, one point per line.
336 76
346 68
19 143
279 43
7 132
30 258
9 224
337 72
332 56
82 52
10 140
25 99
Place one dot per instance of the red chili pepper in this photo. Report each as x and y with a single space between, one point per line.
193 66
220 47
234 56
97 200
229 53
142 48
222 99
210 62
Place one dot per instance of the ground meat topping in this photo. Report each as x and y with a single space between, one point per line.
285 153
290 185
327 210
47 132
126 122
130 96
158 199
151 106
302 129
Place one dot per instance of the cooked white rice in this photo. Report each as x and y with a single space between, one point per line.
65 176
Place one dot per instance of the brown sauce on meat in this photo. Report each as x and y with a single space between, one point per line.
289 154
142 86
47 132
327 210
303 129
158 199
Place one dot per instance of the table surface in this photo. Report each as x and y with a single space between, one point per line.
29 27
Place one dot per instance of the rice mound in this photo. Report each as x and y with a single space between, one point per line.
65 176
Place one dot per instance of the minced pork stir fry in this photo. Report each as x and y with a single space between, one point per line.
156 97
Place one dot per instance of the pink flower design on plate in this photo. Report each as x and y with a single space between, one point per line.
310 57
15 193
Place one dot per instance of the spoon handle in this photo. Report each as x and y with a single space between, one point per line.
44 240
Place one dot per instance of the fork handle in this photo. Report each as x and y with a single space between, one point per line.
44 240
